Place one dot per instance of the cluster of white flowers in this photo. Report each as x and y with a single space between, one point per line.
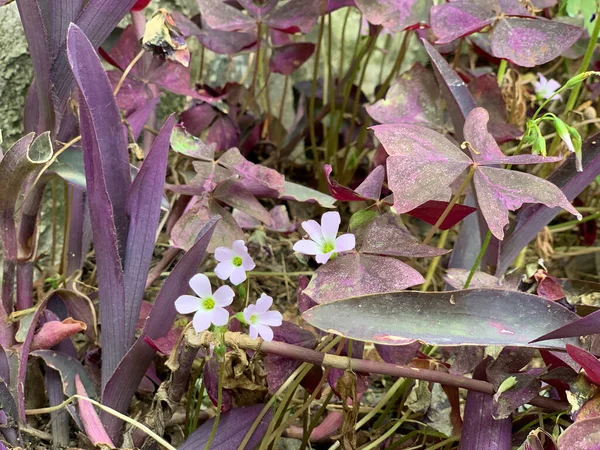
233 263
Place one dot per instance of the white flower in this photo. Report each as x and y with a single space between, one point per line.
324 243
233 262
546 88
209 307
261 319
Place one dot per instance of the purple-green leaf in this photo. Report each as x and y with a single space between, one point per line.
582 435
143 209
300 193
468 317
532 42
235 195
357 274
450 21
387 236
413 98
395 15
287 58
68 367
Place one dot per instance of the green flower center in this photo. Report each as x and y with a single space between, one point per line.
208 303
237 261
327 247
253 318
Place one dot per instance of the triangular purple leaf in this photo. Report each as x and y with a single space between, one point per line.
294 17
395 15
287 58
450 21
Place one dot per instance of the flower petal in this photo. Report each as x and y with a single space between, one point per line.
219 316
238 276
239 248
330 224
224 296
223 254
224 269
265 332
345 242
263 303
272 318
201 285
201 321
313 229
322 258
186 304
306 247
247 262
253 332
247 312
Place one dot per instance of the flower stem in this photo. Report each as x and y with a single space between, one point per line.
501 72
257 61
127 70
313 90
453 202
484 247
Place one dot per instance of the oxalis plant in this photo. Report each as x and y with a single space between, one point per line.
376 228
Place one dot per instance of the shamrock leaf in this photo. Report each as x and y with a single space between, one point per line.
423 164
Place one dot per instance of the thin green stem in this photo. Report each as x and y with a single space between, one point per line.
435 261
566 225
343 42
396 67
332 141
453 202
387 434
475 266
213 432
501 72
257 53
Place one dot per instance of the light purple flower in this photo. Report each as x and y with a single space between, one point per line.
261 319
323 241
546 88
209 307
233 262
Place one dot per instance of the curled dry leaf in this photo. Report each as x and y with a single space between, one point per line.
163 38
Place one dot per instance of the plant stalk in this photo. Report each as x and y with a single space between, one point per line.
484 247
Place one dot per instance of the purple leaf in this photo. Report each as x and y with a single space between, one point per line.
279 368
488 95
450 21
398 354
356 275
186 229
532 42
387 236
499 191
111 11
53 332
92 424
222 16
467 317
105 123
38 47
143 209
198 118
232 429
107 178
138 118
57 16
587 361
582 435
480 429
421 166
413 98
294 17
224 133
258 11
123 383
280 220
233 194
395 15
287 58
432 210
370 188
533 218
334 5
454 91
210 376
250 172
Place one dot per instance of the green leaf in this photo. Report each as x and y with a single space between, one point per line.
507 384
361 219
